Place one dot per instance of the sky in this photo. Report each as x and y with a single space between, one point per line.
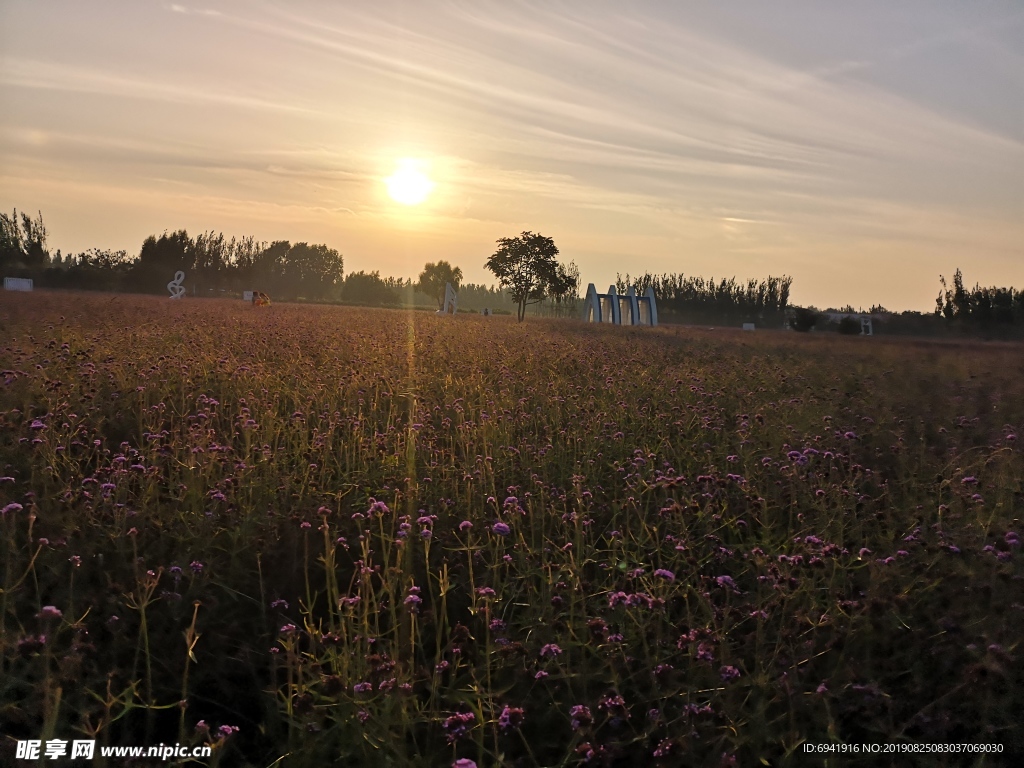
861 148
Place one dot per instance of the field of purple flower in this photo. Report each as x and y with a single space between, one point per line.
326 536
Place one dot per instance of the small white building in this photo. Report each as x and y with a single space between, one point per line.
17 284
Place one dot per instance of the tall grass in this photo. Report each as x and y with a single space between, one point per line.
389 538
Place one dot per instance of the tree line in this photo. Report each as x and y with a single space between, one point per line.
526 267
984 308
212 264
690 299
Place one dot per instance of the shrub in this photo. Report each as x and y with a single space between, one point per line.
849 326
803 319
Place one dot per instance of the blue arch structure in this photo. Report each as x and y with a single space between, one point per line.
629 309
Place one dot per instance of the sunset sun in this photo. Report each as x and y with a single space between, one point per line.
408 185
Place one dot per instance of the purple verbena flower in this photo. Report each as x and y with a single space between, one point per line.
458 725
726 582
580 716
729 673
550 651
510 718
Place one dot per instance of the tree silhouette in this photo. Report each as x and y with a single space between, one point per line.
23 241
312 271
564 290
368 289
526 267
980 307
696 299
433 278
804 319
159 259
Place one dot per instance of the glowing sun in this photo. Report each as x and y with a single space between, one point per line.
408 185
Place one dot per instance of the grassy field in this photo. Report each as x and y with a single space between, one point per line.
328 536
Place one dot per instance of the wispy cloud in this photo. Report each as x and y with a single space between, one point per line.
184 9
668 99
43 75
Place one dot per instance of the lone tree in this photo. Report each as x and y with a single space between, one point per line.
433 278
526 268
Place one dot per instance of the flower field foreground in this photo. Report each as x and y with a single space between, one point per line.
341 537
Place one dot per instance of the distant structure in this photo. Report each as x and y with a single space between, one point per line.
451 301
247 296
486 311
620 310
17 284
866 328
748 327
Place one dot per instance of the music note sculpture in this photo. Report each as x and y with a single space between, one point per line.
175 286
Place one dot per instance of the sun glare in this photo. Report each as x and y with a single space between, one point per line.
408 185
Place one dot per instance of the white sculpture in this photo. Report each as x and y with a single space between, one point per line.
601 307
629 308
17 284
175 286
591 306
648 308
620 310
451 301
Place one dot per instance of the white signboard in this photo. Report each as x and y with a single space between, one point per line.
17 284
748 326
247 296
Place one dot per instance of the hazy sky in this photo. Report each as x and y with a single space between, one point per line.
861 147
